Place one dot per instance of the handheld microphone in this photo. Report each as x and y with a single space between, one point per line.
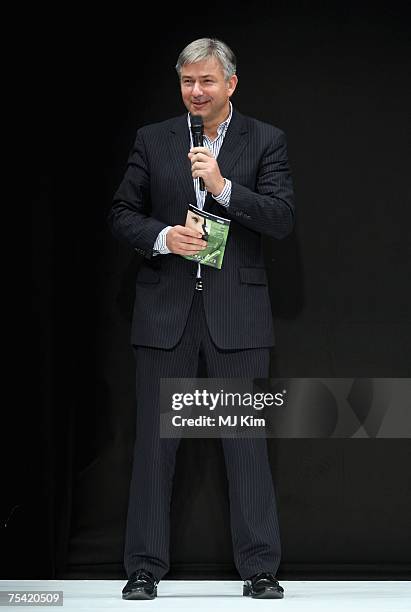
196 122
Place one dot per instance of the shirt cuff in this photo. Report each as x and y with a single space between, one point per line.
224 197
160 246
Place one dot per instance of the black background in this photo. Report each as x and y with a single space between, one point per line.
335 78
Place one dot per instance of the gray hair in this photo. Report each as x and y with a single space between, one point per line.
204 48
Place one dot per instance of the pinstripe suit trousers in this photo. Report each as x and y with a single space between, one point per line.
253 510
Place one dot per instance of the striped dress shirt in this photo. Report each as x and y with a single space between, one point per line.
223 198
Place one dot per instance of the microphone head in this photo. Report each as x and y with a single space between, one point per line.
196 122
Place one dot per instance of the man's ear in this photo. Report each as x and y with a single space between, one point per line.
232 84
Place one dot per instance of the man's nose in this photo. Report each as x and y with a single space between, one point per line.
197 91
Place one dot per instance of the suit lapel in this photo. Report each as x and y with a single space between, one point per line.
234 142
179 143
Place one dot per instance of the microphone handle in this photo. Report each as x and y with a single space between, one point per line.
198 142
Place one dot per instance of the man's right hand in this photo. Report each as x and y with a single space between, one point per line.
182 240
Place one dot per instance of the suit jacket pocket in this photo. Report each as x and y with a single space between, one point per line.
147 275
253 276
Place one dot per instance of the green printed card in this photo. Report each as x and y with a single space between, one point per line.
215 231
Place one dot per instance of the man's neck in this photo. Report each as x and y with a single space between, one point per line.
210 129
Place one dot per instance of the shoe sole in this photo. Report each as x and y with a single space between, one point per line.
267 593
139 594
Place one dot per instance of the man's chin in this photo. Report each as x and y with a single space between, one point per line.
200 109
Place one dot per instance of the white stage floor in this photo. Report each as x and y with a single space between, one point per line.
211 595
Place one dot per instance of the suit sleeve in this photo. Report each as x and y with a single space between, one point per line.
129 217
270 209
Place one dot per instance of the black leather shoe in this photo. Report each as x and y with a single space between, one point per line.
141 585
263 586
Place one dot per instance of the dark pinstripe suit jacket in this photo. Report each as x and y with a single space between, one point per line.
154 193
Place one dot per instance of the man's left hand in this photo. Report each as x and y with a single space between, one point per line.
205 165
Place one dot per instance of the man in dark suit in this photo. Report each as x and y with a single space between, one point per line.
183 309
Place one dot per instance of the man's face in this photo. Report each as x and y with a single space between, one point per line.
205 91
